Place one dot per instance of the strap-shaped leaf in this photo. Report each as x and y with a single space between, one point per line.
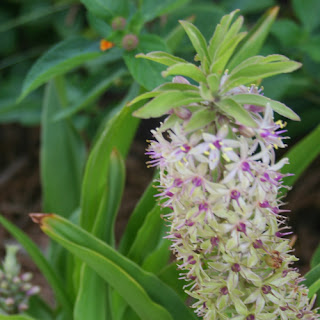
213 81
262 101
186 69
235 110
253 42
200 119
15 317
197 39
104 260
166 101
161 57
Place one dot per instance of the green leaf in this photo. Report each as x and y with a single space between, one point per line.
89 98
235 110
145 72
197 39
256 71
312 276
60 59
161 57
62 156
166 101
314 288
99 25
248 6
148 236
118 133
200 119
307 11
107 8
151 9
186 69
254 40
301 155
89 304
262 101
315 260
145 204
132 282
39 309
43 265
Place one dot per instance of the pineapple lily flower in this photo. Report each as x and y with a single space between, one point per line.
220 178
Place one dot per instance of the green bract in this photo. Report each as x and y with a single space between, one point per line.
217 75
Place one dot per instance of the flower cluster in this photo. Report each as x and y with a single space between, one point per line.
222 184
15 288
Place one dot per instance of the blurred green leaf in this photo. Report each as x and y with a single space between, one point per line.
312 48
151 9
43 265
315 260
259 100
307 11
200 119
161 57
235 110
90 96
39 309
146 73
62 156
148 236
118 133
132 282
63 57
99 25
15 317
166 101
248 6
301 155
254 40
145 204
186 69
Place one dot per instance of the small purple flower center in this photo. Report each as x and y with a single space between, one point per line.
241 227
217 144
177 182
203 207
250 317
264 204
214 241
266 289
236 267
177 235
224 291
235 194
258 244
185 148
245 166
189 223
197 181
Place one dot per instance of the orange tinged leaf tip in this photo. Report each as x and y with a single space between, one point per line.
106 45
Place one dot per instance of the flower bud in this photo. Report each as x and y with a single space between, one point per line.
130 42
118 23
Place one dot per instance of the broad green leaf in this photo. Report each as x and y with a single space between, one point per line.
200 119
170 275
62 155
151 9
312 48
89 98
39 309
213 81
148 236
99 25
235 110
306 11
118 133
314 288
161 57
197 39
166 101
107 8
60 59
145 204
37 257
254 72
259 100
132 282
248 6
88 304
158 258
312 276
186 69
301 155
254 40
147 73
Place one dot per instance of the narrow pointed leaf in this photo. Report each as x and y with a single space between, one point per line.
235 110
254 40
187 70
100 256
200 119
43 265
161 104
161 57
60 59
262 101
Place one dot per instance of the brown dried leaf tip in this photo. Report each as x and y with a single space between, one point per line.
37 217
